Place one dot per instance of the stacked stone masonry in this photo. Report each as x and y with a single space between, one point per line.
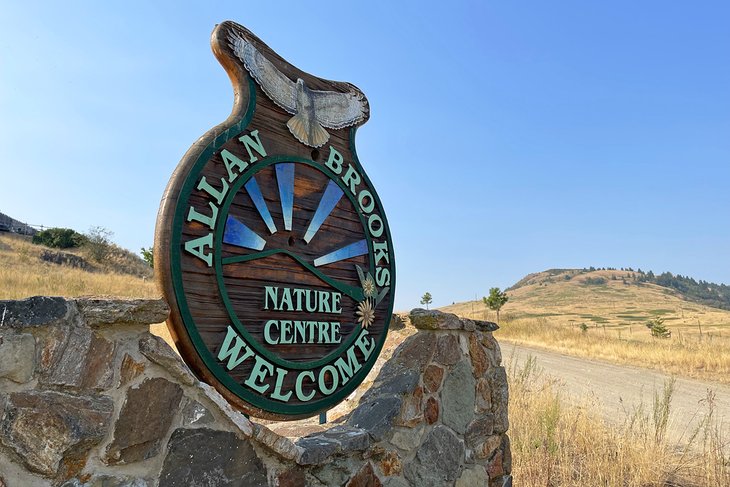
88 397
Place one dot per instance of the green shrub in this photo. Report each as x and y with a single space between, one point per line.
60 238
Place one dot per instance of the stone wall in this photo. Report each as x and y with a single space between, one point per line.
88 397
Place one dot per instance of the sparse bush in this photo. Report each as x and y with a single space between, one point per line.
98 243
148 256
658 328
594 281
583 327
60 238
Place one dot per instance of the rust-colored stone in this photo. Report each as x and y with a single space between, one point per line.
294 477
484 395
495 468
411 412
447 350
431 411
130 370
432 377
390 464
365 478
479 359
143 422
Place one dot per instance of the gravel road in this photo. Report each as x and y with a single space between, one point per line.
618 389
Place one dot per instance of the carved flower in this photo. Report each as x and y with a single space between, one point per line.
365 313
368 287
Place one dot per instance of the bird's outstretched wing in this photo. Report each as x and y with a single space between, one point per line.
336 110
275 84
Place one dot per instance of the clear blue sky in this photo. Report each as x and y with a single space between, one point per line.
505 137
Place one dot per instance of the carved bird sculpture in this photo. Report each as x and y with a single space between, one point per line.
312 109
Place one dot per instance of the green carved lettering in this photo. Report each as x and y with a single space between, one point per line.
197 248
351 179
231 161
249 143
258 374
204 185
280 374
299 390
323 387
233 353
194 215
334 161
349 368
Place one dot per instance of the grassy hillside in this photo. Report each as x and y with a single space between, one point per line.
31 270
610 299
549 310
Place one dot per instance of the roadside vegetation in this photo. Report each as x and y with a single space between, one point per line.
27 269
556 444
615 315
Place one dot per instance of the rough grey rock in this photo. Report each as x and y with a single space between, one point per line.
457 397
316 449
196 414
415 352
35 311
376 416
407 439
67 259
486 325
472 477
84 360
350 439
392 379
500 399
433 319
395 482
158 351
99 312
207 458
17 357
143 422
479 431
45 427
107 481
448 351
438 460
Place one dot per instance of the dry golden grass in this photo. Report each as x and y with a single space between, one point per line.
548 311
554 444
24 274
617 306
707 359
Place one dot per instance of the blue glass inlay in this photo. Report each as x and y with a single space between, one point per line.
330 198
285 179
240 235
252 187
353 250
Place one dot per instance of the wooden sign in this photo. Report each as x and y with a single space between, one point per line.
272 247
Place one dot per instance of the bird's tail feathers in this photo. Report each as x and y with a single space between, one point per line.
311 134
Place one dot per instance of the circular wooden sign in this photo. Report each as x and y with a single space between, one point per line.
272 246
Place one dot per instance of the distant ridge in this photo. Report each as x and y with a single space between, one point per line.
703 292
611 298
16 226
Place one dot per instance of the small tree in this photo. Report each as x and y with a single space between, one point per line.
98 243
426 299
496 299
658 328
148 256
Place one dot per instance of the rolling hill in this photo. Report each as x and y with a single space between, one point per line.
617 300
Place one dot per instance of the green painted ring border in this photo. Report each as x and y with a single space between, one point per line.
217 258
200 347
